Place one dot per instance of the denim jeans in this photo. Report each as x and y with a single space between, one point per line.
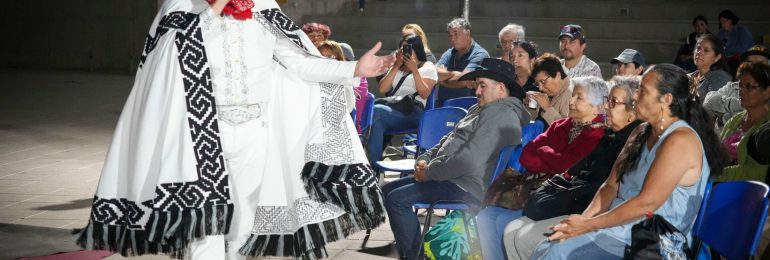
491 222
401 194
388 119
593 245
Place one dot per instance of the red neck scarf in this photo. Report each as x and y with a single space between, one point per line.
239 9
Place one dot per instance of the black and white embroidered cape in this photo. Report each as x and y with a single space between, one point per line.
165 184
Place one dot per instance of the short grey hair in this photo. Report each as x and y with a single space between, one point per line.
629 84
459 23
512 28
595 87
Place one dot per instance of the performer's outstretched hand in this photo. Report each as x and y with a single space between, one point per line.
370 65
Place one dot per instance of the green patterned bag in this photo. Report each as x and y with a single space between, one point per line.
448 239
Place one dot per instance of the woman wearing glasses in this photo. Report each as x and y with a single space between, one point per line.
570 192
566 142
754 92
555 87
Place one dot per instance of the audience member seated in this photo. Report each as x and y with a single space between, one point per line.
630 62
458 166
411 77
663 169
570 193
712 71
415 29
568 140
523 56
725 103
754 91
465 55
332 50
572 44
737 38
507 36
555 89
318 32
587 100
700 26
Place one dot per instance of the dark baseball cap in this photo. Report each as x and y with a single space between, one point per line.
573 31
628 56
756 50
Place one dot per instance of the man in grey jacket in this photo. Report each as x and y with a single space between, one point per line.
460 165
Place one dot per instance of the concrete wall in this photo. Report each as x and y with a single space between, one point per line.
105 35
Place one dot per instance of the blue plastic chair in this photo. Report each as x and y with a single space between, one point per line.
367 115
731 219
530 131
463 102
434 125
430 103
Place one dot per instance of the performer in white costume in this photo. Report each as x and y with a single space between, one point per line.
235 141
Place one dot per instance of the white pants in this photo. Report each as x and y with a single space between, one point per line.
245 149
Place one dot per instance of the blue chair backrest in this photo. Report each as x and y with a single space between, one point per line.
502 161
368 114
430 102
531 130
435 124
513 162
463 102
732 217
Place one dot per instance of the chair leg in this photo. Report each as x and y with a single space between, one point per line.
366 238
424 232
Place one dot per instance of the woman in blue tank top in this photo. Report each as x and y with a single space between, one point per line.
662 169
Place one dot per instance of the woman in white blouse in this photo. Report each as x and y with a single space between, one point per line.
412 76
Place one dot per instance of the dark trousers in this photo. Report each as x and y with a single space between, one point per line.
401 194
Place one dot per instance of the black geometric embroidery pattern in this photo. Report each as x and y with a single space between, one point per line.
337 148
121 212
212 185
287 26
175 20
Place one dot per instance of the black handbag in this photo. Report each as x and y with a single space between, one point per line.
656 238
404 104
558 197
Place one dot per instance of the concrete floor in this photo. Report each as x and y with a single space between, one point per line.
55 127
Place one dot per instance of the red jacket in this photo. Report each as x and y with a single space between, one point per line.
551 153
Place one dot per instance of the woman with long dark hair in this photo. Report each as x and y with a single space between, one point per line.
663 169
412 76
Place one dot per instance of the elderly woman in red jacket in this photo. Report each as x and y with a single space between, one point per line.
568 140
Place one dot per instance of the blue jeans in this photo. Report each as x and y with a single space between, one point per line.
491 222
388 119
593 245
401 194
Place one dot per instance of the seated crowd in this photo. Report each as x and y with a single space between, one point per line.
647 141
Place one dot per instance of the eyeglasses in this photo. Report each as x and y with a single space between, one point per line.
540 83
747 87
612 102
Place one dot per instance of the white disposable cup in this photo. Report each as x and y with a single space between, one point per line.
532 103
